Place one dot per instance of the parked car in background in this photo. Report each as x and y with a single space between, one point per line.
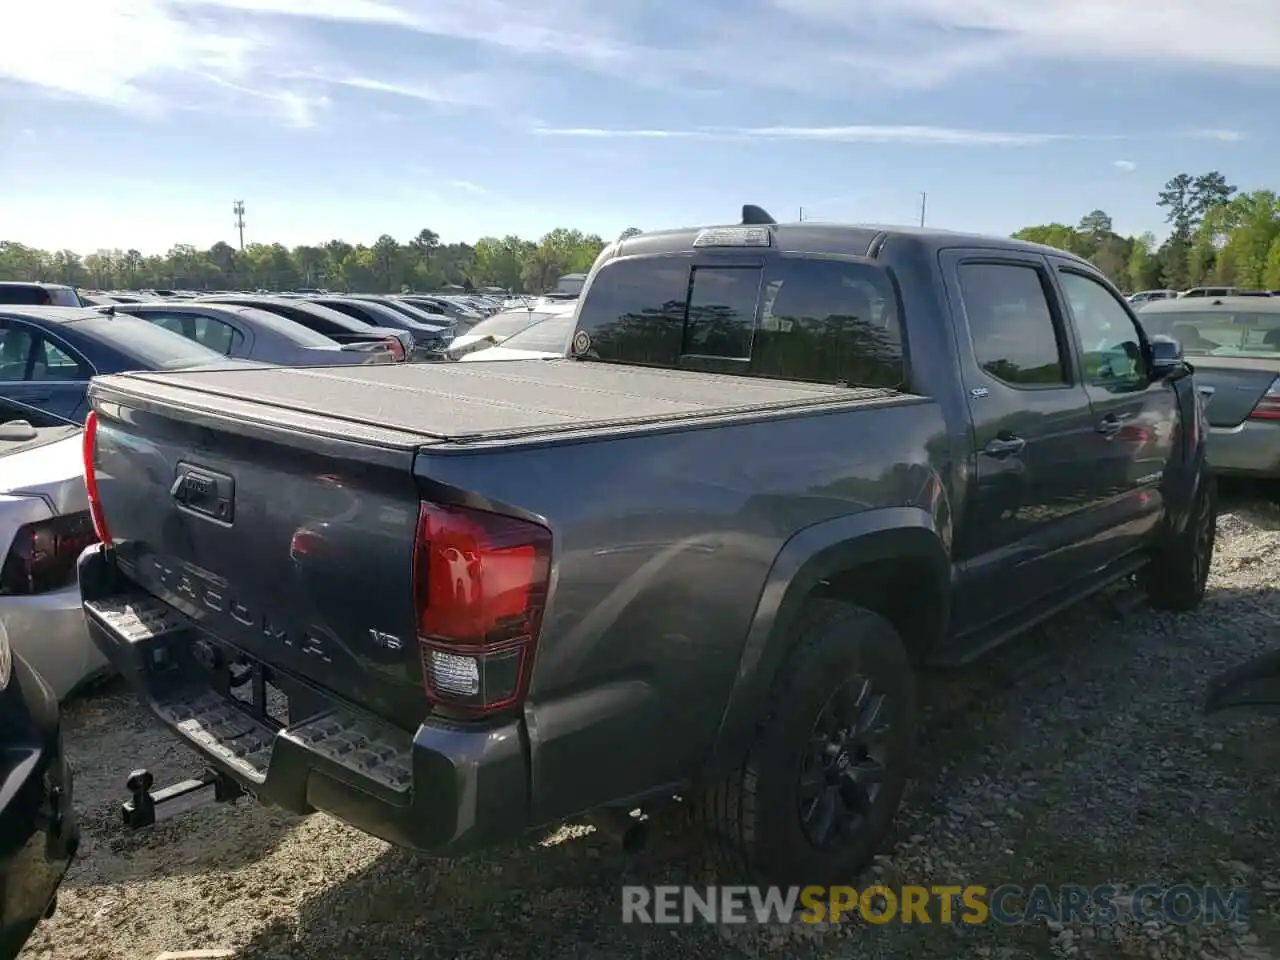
15 293
1234 343
493 331
548 337
458 313
381 316
44 524
249 333
48 354
430 333
703 555
39 831
335 325
1195 292
1143 296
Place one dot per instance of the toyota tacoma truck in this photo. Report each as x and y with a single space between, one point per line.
700 556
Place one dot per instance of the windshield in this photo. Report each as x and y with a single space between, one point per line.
507 323
1218 333
153 347
547 336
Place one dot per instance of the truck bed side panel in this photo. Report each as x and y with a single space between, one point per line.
663 544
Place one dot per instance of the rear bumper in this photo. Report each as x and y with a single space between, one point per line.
1249 449
446 790
48 631
38 825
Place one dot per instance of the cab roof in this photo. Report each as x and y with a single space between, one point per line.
856 240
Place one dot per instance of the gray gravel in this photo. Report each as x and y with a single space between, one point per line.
1076 755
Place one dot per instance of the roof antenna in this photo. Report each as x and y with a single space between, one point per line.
751 214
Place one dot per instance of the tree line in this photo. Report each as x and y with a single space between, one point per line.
1217 235
424 263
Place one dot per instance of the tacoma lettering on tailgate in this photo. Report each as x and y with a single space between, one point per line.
218 610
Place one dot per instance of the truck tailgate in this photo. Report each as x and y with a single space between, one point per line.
300 558
418 404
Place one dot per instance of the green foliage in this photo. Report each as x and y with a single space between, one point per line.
1217 236
424 263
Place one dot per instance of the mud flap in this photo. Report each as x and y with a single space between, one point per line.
1254 683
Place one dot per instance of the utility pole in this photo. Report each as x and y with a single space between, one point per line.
802 214
238 210
924 199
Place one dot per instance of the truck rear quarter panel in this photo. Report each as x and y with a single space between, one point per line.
662 546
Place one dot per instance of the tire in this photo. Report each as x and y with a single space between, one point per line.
757 814
1180 566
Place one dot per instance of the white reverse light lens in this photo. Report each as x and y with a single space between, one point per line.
454 674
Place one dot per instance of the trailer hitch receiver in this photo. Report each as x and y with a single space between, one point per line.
145 806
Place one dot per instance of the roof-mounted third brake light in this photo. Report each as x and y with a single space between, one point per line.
734 237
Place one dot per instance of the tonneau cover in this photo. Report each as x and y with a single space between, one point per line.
511 399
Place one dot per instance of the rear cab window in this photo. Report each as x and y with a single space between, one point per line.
809 318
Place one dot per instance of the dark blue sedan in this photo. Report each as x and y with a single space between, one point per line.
48 354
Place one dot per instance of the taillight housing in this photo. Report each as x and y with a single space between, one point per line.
1268 406
89 439
396 348
480 588
43 554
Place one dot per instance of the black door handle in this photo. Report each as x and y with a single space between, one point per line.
1005 445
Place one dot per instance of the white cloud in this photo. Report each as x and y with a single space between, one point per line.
1224 136
841 134
1128 166
145 55
466 186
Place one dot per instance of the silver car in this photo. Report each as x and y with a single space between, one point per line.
248 333
44 525
1234 345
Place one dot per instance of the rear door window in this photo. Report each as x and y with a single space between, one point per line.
16 343
817 320
54 362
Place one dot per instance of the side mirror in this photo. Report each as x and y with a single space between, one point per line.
1166 357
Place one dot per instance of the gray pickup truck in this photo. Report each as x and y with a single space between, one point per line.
700 556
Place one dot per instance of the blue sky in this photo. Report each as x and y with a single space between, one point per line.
137 123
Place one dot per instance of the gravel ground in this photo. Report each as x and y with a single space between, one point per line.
1076 755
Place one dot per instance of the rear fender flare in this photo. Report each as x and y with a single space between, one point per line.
810 556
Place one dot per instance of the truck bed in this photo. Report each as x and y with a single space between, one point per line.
410 405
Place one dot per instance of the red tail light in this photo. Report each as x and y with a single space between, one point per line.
1268 407
480 582
90 439
43 555
396 347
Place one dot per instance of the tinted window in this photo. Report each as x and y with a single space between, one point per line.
1014 336
15 349
28 295
52 362
634 311
824 321
1110 351
1218 333
150 346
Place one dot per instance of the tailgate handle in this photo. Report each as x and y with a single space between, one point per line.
205 492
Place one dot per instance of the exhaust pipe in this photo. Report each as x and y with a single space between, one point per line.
630 833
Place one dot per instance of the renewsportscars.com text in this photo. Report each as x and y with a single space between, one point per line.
1007 905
